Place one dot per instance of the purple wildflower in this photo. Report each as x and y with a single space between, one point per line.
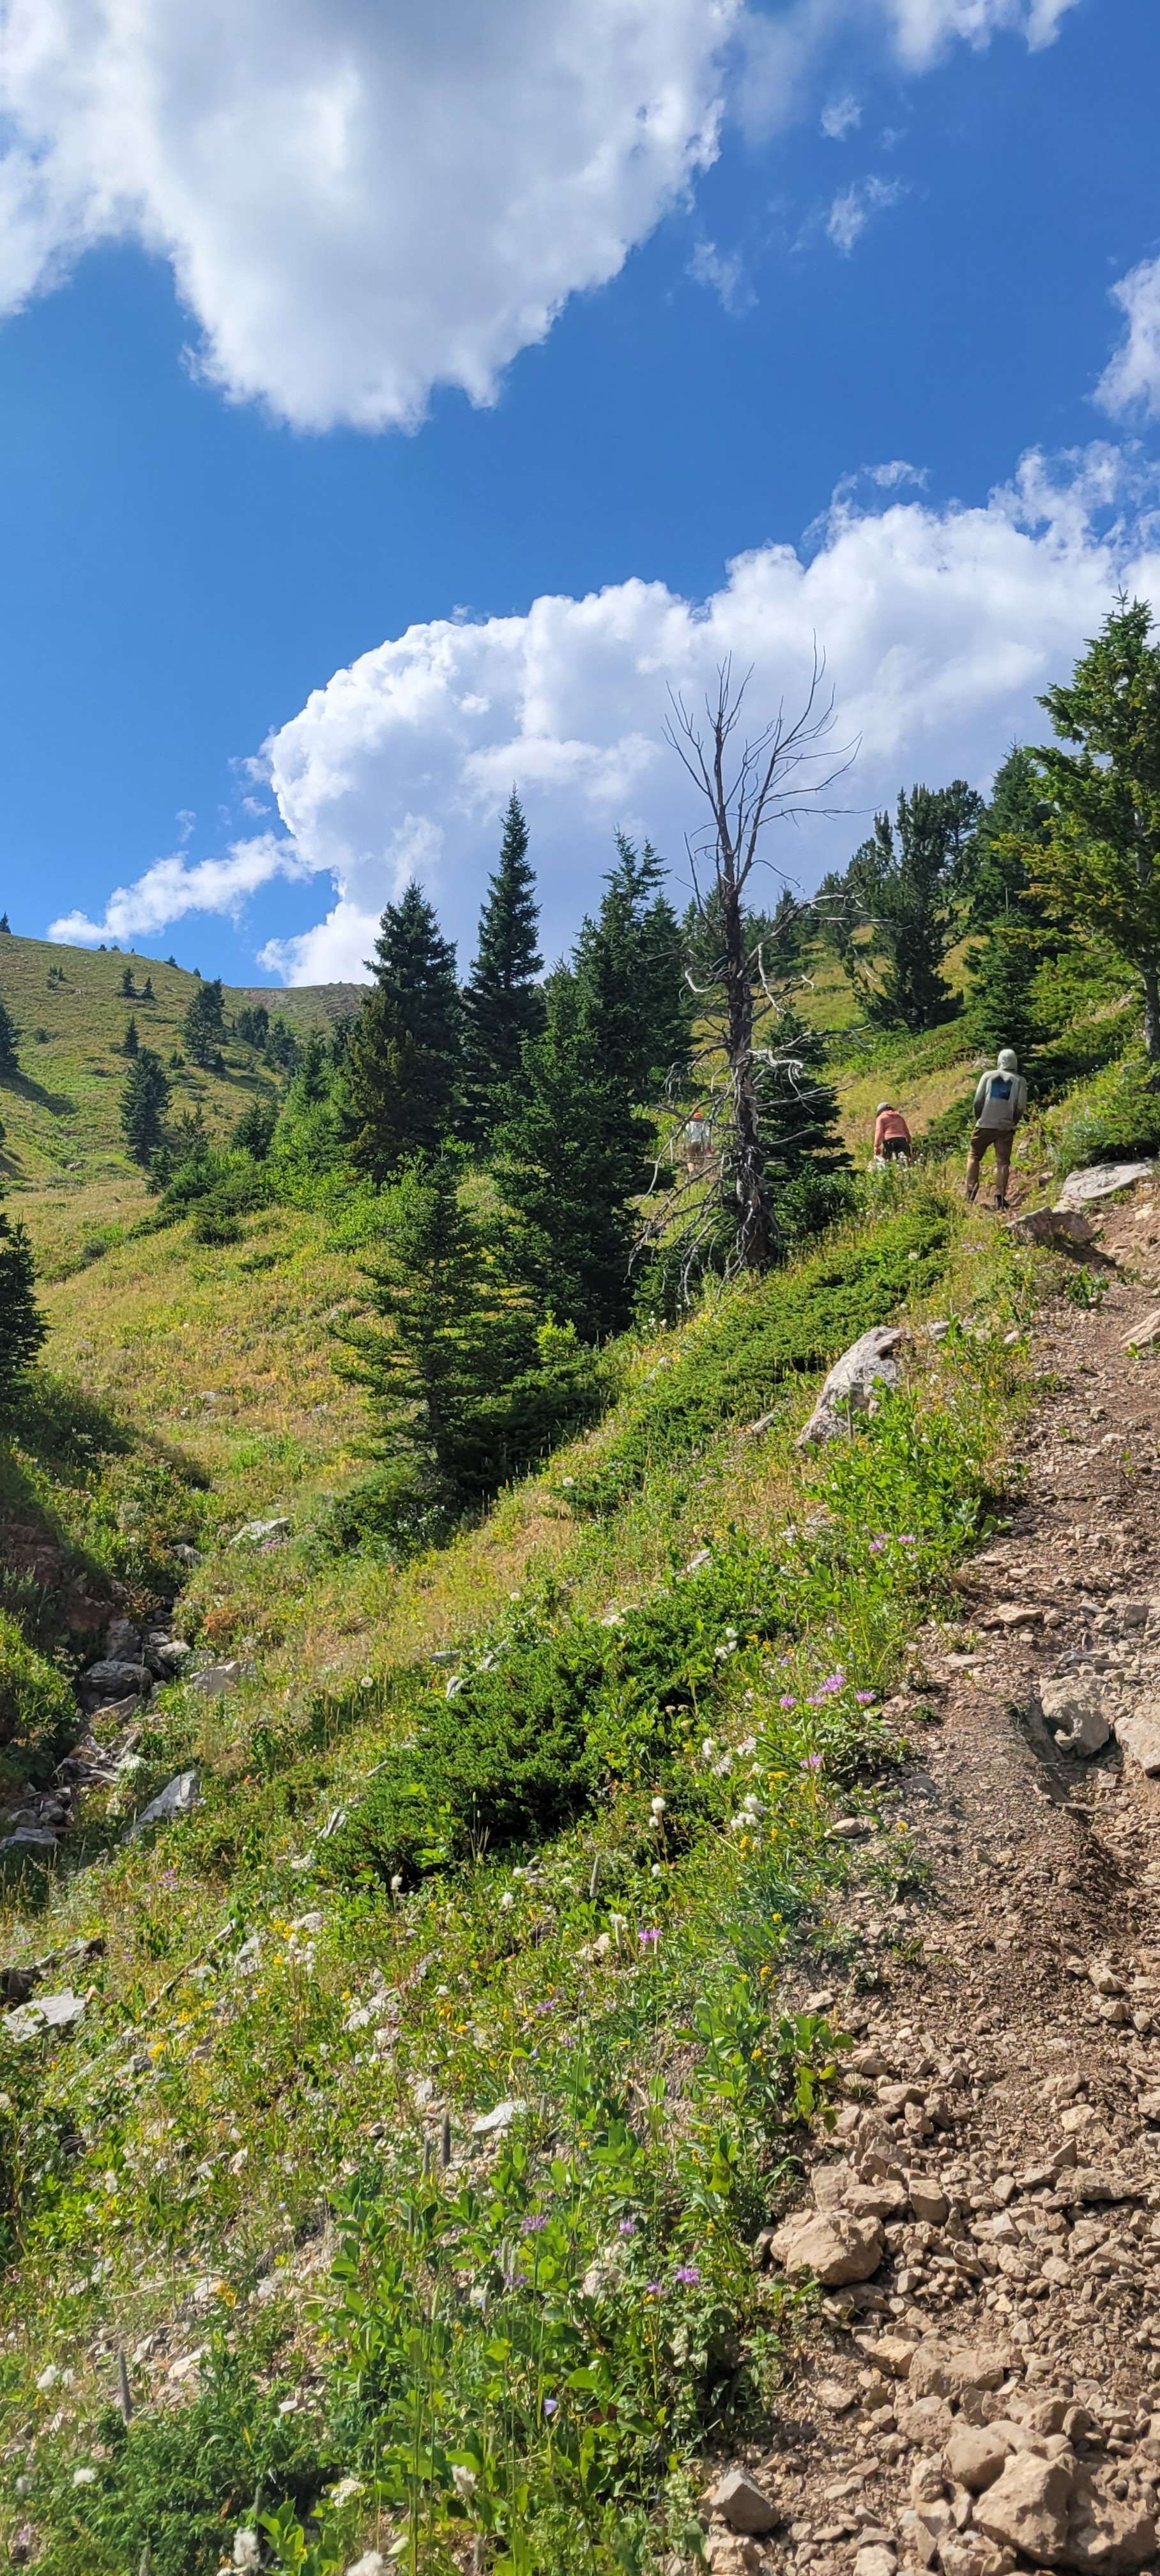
532 2226
876 1546
864 1698
906 1538
550 2405
788 1702
654 2288
627 2227
812 1762
650 1932
688 2274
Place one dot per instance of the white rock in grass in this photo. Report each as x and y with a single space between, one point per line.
178 1798
491 2124
865 1370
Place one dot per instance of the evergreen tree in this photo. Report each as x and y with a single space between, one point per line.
22 1328
502 1004
253 1025
457 1339
575 1156
128 986
204 1027
800 1124
282 1048
147 994
631 961
9 1039
1100 863
1005 906
906 878
254 1133
144 1101
5 924
130 1041
403 1059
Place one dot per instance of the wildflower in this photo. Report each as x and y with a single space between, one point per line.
653 2289
247 2548
864 1698
708 1748
788 1701
506 1901
650 1932
627 2227
48 2378
88 2478
812 1762
688 2274
367 1682
397 1883
658 1808
876 1546
656 1870
551 2405
532 2226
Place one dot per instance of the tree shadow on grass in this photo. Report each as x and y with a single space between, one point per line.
57 1103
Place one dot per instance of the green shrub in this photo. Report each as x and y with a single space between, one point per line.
37 1710
1115 1117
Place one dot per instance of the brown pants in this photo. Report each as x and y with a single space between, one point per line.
1002 1138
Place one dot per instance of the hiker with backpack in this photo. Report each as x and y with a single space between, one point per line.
1000 1103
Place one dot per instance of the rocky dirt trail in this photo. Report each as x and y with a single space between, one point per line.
986 2393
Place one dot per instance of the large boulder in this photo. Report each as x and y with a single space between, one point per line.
945 2369
1027 2508
854 1383
115 1680
1072 1706
1139 1734
828 2246
1101 1181
1061 1229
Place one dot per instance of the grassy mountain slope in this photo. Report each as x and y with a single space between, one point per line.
62 1156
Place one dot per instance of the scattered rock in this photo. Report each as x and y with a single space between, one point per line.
1072 1706
1139 1734
178 1798
743 2503
49 2012
1100 1181
1027 2508
875 2560
259 1533
214 1680
869 1365
831 2247
975 2456
1141 1335
1059 1227
111 1679
491 2124
939 2369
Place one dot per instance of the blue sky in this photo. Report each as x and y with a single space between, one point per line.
192 547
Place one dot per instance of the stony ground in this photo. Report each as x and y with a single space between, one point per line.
986 2395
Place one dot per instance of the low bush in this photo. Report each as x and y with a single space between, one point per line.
1112 1118
37 1709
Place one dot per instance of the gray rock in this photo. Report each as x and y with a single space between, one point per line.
744 2504
1058 1227
828 2246
863 1372
122 1642
1072 1706
491 2124
178 1798
1140 1336
28 1838
167 1654
257 1533
50 2012
1139 1734
111 1679
215 1680
875 2559
1101 1181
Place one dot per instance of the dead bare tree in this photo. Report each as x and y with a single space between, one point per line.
749 782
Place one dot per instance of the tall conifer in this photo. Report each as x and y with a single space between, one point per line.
575 1155
403 1061
21 1325
503 1004
9 1039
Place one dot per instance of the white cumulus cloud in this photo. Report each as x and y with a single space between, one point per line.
173 887
363 199
940 626
1132 379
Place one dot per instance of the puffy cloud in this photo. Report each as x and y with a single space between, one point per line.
940 626
360 202
1132 380
852 210
171 888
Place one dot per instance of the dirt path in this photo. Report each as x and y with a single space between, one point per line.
1002 2125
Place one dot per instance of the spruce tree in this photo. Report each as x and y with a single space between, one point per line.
403 1060
906 878
5 924
130 1041
502 1004
456 1341
9 1039
128 986
204 1027
800 1124
1100 861
1006 907
147 994
144 1101
574 1158
22 1328
632 961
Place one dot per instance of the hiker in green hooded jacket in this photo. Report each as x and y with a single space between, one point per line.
1000 1103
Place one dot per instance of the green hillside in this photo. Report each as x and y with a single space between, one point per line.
62 1157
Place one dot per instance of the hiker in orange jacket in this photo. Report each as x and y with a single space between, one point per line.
892 1139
